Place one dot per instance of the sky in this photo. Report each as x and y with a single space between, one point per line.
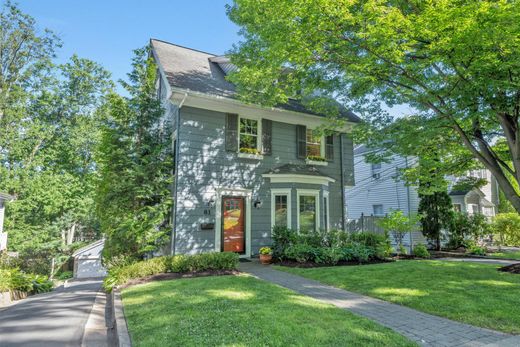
108 31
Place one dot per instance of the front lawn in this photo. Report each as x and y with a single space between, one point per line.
471 293
506 255
242 311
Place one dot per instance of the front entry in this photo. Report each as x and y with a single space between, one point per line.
233 225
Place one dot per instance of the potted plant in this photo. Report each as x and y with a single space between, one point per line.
266 255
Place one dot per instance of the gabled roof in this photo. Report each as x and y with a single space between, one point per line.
203 72
88 247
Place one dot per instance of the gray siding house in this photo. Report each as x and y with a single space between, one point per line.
241 169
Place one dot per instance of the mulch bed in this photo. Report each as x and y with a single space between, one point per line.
513 268
310 264
173 275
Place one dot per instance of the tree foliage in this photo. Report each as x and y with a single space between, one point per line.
435 213
454 62
135 167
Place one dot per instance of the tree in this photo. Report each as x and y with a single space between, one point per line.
135 167
435 213
454 62
399 225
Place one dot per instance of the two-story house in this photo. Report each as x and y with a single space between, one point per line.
378 189
241 169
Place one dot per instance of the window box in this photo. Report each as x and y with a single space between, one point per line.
250 156
316 162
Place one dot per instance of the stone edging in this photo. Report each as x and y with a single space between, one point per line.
118 315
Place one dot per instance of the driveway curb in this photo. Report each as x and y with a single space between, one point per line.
120 327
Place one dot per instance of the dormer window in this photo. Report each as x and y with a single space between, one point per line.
248 135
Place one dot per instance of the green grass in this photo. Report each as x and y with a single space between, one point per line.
506 255
471 293
242 311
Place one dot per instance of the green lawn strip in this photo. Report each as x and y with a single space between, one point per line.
476 294
242 311
506 255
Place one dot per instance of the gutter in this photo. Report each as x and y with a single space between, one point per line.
173 245
408 204
343 222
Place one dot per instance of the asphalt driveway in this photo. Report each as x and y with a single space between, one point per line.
52 319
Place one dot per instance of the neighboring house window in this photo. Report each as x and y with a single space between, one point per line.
308 210
376 170
378 210
281 208
457 207
488 211
313 144
248 133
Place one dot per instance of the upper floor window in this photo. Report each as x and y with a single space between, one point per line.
248 133
313 144
378 210
376 170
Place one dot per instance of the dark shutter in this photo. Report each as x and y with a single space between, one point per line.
301 141
329 147
267 131
231 132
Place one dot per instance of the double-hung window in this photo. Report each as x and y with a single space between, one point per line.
248 135
313 144
308 210
281 207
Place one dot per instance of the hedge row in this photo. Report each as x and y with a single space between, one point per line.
176 264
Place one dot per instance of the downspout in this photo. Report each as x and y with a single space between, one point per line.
176 151
408 204
343 222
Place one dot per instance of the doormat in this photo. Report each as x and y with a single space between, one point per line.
244 260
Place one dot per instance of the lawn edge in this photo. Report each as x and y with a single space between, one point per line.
120 325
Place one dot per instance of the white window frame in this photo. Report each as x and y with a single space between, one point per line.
459 205
281 191
308 192
382 210
322 142
258 134
326 210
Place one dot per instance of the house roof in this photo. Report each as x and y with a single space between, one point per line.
6 197
88 247
203 72
459 192
294 169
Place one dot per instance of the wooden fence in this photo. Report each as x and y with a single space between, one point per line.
365 223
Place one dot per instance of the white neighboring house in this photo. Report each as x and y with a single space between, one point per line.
4 198
377 190
87 261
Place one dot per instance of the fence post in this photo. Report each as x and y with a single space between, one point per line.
362 222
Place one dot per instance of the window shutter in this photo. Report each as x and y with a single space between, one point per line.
329 147
267 131
301 141
231 132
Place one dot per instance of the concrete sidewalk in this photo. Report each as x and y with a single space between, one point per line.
426 329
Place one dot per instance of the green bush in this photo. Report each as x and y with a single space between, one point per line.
466 229
420 251
41 284
282 238
178 264
506 227
302 252
477 250
65 275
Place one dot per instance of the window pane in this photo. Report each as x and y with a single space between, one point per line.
313 144
248 141
248 133
307 213
280 210
378 210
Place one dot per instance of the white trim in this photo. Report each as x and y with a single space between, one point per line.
291 178
228 105
327 209
281 191
308 192
250 156
316 162
247 193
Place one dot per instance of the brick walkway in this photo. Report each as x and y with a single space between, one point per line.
426 329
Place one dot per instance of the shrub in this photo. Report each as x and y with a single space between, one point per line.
41 284
301 252
467 229
506 226
357 252
330 256
398 224
65 275
477 250
283 238
179 264
402 249
420 251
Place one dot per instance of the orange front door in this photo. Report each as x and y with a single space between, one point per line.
233 230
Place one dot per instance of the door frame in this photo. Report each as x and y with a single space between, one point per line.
233 192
